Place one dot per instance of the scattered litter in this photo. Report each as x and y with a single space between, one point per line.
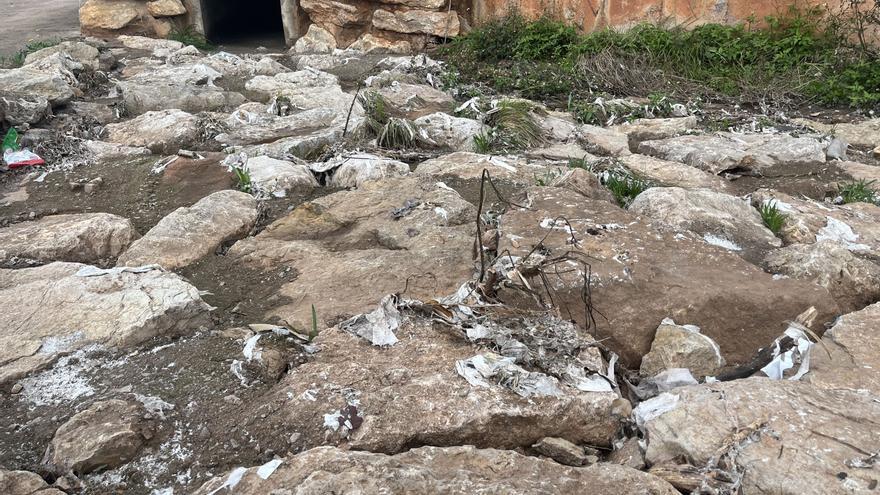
799 355
378 326
93 271
842 233
250 351
231 481
485 370
345 421
864 462
407 208
721 242
154 405
267 469
664 381
654 408
236 368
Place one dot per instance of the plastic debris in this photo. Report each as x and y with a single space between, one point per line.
484 370
14 156
378 327
654 408
93 271
798 355
267 469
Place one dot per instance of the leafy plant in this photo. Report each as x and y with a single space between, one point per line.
578 163
482 143
624 187
189 36
860 191
514 126
771 216
243 179
398 134
313 333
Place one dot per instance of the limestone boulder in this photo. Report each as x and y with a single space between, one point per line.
561 152
582 182
604 140
25 483
682 346
737 152
316 40
451 133
864 134
854 282
152 45
470 166
342 245
332 14
418 21
653 129
29 81
105 435
109 15
188 88
371 44
165 8
412 101
276 177
721 219
79 237
856 226
163 131
83 53
860 171
673 174
354 170
18 109
848 356
557 126
58 308
103 152
641 275
453 470
190 233
766 430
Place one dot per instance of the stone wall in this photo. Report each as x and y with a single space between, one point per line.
409 24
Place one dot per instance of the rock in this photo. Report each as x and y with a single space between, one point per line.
370 44
642 275
628 454
561 451
108 152
418 4
448 132
465 165
101 113
854 282
876 152
557 126
80 237
768 430
682 346
58 308
330 13
189 88
106 435
50 85
190 233
853 344
604 140
860 171
561 152
292 85
108 15
151 45
316 40
437 470
340 242
353 171
165 8
737 152
865 134
583 183
721 219
278 176
372 392
675 174
18 109
25 483
83 53
164 131
412 101
653 129
856 226
417 21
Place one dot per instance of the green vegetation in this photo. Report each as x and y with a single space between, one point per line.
624 186
390 132
860 191
189 36
772 217
800 56
313 333
17 60
482 143
243 179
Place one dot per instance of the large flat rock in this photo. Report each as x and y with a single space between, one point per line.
80 237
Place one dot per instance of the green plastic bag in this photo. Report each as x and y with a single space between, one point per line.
10 142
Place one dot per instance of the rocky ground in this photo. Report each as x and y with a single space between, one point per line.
230 278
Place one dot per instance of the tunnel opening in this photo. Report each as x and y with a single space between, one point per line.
251 22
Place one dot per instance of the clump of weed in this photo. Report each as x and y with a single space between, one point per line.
771 216
189 36
624 186
860 191
482 143
390 132
243 180
547 178
313 333
514 126
17 59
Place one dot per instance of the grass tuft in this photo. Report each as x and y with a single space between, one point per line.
189 36
860 191
624 186
514 126
17 60
771 216
243 180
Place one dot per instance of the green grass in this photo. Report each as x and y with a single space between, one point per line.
860 191
482 143
313 333
798 56
624 187
514 127
189 36
243 180
771 216
17 60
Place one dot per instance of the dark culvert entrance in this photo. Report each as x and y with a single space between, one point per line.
243 22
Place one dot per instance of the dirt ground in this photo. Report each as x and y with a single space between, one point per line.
28 20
